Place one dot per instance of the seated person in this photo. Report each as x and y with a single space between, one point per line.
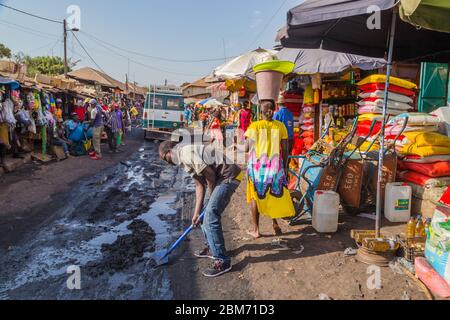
77 135
58 137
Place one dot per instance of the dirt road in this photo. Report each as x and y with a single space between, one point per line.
108 223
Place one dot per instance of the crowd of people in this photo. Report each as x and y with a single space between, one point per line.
77 134
91 122
237 117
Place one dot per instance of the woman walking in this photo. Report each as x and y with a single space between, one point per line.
244 119
267 193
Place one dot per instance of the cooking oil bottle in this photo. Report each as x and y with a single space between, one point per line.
420 230
411 231
427 228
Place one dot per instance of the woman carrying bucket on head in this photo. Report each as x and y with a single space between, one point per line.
267 143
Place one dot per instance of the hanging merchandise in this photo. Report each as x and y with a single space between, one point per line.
8 113
316 81
41 118
308 97
52 104
316 99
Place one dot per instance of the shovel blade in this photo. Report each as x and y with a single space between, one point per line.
161 258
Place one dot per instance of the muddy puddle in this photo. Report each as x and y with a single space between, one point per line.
108 226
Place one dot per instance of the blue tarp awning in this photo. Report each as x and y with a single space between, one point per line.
14 84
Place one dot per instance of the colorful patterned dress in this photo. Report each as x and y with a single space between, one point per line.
267 183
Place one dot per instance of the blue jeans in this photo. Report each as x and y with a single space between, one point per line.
212 225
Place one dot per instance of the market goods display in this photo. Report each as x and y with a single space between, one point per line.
437 250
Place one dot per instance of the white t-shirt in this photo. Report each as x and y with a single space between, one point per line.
195 158
94 113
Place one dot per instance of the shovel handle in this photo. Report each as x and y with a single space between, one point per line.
183 237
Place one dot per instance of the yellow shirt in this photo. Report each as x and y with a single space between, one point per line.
267 136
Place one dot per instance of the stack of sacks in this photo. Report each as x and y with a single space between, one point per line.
417 122
363 129
400 99
293 102
420 146
444 115
307 125
426 161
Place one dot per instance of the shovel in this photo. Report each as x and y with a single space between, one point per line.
162 257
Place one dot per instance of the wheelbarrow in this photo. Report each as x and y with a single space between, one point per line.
370 174
318 171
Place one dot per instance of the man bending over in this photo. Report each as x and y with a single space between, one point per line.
209 171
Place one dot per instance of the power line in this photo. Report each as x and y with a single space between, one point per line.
60 40
41 47
29 31
142 64
150 56
31 14
267 24
90 57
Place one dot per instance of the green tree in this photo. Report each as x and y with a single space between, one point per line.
5 52
47 65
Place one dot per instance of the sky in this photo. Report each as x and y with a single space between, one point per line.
148 30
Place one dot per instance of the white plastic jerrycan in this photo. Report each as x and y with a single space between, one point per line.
326 211
397 204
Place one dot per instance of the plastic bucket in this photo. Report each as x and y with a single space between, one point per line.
268 84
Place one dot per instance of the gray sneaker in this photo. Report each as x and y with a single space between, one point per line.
218 268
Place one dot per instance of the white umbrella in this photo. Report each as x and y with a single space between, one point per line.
212 103
241 66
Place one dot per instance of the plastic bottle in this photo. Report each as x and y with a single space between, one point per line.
420 229
427 228
379 245
326 211
411 231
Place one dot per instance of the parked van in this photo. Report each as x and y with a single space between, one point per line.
163 112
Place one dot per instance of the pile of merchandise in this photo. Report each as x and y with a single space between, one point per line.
434 271
401 99
306 120
425 157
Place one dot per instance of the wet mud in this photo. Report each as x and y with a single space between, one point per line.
110 226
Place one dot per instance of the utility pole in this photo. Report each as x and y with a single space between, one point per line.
65 49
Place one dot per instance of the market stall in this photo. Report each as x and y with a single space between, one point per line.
309 27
